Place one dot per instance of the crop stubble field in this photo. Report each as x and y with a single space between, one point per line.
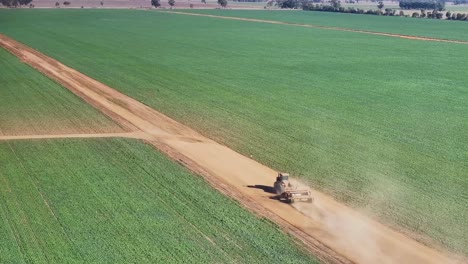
31 104
376 121
120 201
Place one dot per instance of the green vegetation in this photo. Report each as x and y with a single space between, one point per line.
458 8
14 3
378 122
395 5
397 25
156 3
223 3
30 103
120 201
422 4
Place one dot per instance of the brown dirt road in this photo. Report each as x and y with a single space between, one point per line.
332 231
323 27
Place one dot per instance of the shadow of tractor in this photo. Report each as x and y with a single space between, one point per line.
267 189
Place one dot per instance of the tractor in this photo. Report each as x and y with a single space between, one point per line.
289 193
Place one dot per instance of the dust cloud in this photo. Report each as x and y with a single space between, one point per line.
354 233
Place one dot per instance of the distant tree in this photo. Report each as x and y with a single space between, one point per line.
461 16
415 14
269 3
223 3
203 1
66 3
294 4
380 5
102 3
171 3
57 4
389 12
402 13
15 3
335 3
156 3
423 13
448 15
191 5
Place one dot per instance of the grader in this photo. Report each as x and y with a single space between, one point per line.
289 193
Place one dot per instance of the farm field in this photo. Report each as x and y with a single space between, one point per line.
119 200
30 103
445 29
351 121
457 8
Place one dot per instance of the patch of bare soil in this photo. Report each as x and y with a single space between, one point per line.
325 27
332 231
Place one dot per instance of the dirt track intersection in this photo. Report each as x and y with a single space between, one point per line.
333 232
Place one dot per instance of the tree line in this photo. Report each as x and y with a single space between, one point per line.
423 4
15 3
428 11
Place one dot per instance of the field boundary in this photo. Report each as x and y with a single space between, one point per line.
402 36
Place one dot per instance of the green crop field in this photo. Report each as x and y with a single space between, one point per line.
445 29
366 6
457 8
120 201
378 122
30 103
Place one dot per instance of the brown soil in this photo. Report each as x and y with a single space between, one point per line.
332 231
325 27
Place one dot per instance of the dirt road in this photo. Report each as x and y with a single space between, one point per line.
332 231
138 135
323 27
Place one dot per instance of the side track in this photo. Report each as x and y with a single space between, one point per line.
331 231
138 135
323 27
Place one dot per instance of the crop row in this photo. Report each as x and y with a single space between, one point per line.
30 103
120 201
